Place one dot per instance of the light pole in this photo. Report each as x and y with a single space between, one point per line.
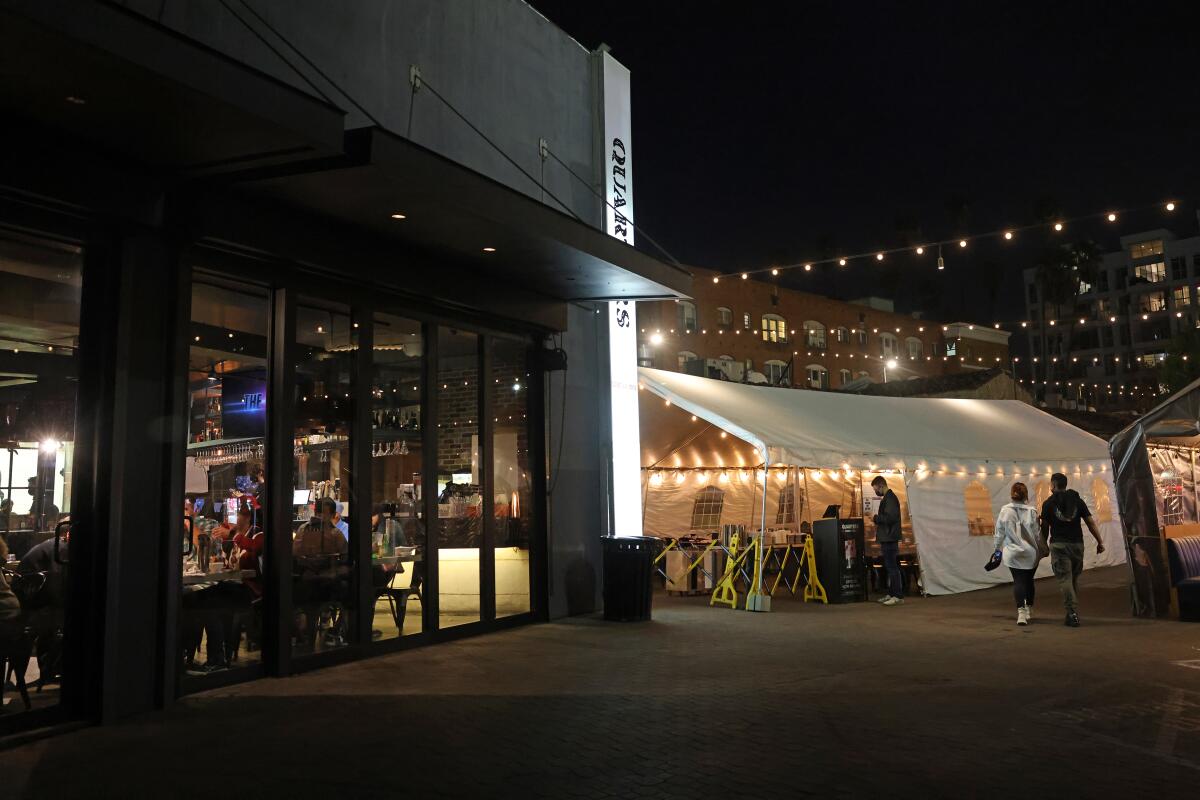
889 364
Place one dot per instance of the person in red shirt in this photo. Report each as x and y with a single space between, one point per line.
247 549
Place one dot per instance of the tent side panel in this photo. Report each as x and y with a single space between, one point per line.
1139 518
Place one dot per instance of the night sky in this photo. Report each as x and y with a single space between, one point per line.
774 133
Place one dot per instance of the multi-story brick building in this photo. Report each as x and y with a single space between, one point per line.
738 329
1107 345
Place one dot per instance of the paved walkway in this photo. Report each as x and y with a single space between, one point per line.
942 697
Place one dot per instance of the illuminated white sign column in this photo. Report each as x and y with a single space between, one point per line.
622 314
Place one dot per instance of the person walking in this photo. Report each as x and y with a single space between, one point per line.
1061 524
1017 544
887 534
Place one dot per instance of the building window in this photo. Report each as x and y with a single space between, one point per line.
1153 301
843 377
1178 268
915 347
706 509
1152 273
978 502
1195 263
1122 277
1143 249
1152 360
862 338
862 373
785 514
1102 281
1182 296
774 328
951 348
690 363
746 320
814 334
841 335
1033 294
724 316
818 376
686 316
1106 337
775 371
887 343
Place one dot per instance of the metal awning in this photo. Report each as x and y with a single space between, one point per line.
138 90
452 211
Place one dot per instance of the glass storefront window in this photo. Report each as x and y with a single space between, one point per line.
224 509
512 485
39 336
397 516
323 565
459 480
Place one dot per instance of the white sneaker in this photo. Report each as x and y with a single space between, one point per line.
883 600
1029 613
893 601
1022 616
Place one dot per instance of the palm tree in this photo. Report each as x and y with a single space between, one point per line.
1061 270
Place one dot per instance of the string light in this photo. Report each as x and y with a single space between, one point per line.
1006 234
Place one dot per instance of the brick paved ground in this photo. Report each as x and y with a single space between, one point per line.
942 697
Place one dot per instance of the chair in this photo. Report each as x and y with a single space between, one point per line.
1183 557
397 598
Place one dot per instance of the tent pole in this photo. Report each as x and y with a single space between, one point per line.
761 601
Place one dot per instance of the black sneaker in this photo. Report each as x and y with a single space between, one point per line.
1072 620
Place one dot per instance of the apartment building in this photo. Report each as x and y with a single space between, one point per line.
1105 349
754 331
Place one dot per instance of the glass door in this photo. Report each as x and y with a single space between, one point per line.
39 336
224 512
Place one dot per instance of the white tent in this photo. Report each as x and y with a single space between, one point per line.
948 453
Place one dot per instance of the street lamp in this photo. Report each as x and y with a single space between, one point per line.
889 364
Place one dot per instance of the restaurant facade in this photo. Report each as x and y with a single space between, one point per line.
304 339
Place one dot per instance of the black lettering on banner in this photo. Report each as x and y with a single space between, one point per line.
622 314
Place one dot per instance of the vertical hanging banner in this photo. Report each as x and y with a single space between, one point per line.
622 314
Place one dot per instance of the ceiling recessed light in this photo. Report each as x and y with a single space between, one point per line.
399 216
489 249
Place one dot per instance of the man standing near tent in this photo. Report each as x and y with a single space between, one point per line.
887 534
1062 515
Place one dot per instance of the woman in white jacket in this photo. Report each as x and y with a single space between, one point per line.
1018 542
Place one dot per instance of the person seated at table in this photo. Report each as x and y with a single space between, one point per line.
248 543
321 579
319 536
45 607
340 523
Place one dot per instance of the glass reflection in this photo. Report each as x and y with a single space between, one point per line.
460 497
323 593
39 336
224 504
513 502
397 518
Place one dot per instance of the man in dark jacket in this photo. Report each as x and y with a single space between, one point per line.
887 534
1062 515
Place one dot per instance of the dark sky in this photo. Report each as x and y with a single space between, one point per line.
767 132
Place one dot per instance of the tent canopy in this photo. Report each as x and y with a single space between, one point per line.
826 429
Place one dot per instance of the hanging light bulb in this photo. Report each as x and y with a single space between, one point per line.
941 261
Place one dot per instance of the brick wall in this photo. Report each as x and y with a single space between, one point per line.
711 339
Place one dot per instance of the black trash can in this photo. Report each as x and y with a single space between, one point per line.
628 577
